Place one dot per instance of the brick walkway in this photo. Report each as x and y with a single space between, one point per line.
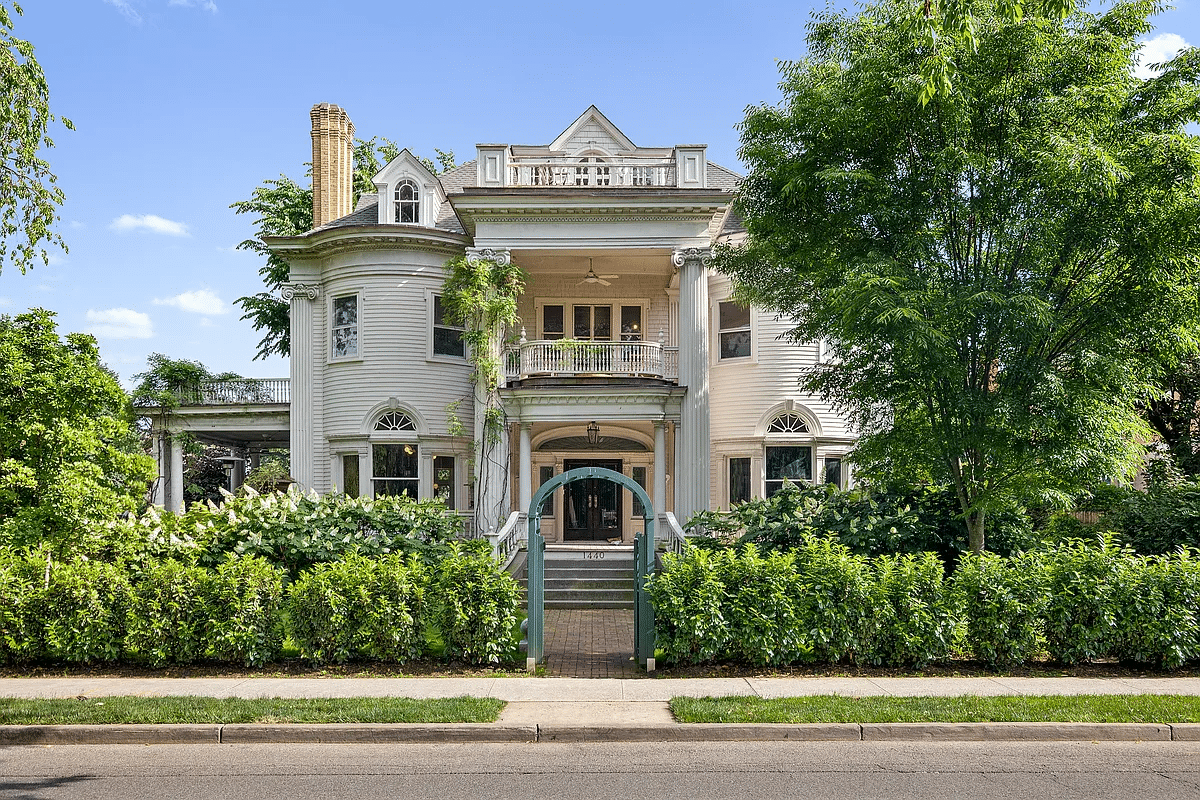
590 644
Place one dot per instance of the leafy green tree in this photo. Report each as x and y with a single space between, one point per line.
29 195
69 459
1175 414
168 381
998 273
284 208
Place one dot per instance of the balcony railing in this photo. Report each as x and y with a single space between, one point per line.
241 391
624 173
575 358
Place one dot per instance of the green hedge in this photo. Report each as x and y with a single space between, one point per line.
172 612
820 602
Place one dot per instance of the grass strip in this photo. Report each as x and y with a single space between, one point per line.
164 710
970 708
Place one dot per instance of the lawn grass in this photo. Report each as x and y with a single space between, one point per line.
836 708
162 710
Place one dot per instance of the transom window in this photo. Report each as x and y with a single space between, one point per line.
735 330
395 421
447 338
408 202
344 330
787 464
395 470
788 423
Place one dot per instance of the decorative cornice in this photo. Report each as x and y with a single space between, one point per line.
702 255
503 257
310 290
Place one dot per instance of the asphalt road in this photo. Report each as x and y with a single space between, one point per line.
1160 770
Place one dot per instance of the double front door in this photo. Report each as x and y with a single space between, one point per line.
592 507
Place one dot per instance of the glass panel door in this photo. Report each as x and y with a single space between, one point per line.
592 507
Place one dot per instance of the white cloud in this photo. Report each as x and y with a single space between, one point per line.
127 11
150 222
5 302
119 323
197 301
1161 48
207 5
76 224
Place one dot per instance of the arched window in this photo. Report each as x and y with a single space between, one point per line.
395 421
788 423
408 202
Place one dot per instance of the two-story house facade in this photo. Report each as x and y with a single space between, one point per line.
630 352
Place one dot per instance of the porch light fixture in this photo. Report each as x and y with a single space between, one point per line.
593 434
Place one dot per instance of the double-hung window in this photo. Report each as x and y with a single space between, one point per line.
734 322
788 463
344 328
447 337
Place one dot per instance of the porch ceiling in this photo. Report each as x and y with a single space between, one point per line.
649 261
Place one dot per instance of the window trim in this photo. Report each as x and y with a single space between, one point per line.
715 331
358 294
430 355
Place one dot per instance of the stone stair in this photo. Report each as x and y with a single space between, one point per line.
585 576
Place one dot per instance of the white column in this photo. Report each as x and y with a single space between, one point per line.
175 490
301 297
526 468
660 467
692 467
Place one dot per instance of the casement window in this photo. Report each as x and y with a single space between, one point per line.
545 475
631 323
447 337
350 474
343 329
592 323
791 462
833 471
443 479
734 323
739 480
407 201
552 322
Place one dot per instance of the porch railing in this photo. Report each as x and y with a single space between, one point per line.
676 538
560 172
572 358
507 541
239 391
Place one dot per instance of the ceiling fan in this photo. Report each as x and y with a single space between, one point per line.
592 277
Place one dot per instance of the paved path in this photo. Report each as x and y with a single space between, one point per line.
590 644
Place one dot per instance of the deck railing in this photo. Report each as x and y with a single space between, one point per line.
573 358
624 173
240 391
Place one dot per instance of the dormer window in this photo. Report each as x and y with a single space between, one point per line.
408 202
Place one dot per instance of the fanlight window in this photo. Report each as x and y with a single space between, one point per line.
395 421
788 423
408 202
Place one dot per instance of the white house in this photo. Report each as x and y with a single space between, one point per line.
678 387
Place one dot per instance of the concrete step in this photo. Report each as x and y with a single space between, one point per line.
556 583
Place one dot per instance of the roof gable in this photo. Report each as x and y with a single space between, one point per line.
592 130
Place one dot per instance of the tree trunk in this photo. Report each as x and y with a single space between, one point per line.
975 537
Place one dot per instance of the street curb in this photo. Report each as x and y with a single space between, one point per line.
471 733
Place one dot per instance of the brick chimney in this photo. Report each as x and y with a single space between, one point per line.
332 163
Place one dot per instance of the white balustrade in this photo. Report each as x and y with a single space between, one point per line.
239 391
573 357
559 172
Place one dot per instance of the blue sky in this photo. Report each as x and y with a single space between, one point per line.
184 106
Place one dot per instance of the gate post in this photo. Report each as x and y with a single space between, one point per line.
536 593
643 612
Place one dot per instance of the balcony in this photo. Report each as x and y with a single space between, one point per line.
572 358
237 392
628 172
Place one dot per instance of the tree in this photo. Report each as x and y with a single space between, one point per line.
1175 415
284 208
168 381
998 273
69 459
29 194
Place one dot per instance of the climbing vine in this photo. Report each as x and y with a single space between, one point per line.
481 296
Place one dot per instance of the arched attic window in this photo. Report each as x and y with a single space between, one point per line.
407 201
786 461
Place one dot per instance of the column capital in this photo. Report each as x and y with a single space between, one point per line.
310 290
686 255
503 256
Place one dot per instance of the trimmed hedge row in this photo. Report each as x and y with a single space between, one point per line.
169 612
820 602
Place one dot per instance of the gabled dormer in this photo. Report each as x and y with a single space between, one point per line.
409 194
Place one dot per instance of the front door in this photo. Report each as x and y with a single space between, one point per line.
592 507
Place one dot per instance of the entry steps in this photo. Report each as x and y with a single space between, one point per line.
587 576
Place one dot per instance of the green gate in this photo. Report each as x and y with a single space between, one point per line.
643 559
